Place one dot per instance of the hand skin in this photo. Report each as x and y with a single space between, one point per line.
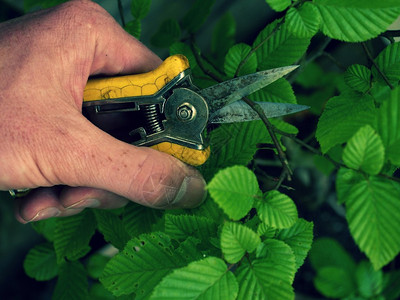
45 61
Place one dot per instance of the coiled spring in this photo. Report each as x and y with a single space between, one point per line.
153 118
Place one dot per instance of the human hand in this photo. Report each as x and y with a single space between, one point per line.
45 61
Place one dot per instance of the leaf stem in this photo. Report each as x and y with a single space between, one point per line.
376 65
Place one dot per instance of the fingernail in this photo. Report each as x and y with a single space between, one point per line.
192 192
85 203
46 213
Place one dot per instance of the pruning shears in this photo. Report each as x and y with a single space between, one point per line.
164 110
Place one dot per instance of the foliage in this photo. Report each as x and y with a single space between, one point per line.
247 241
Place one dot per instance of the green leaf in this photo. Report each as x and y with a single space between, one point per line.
96 264
143 263
276 210
345 180
139 219
197 15
342 117
168 33
334 282
369 281
279 5
112 228
327 252
392 288
278 47
98 292
234 190
364 151
72 235
182 226
372 210
303 21
134 28
223 36
278 91
236 240
184 49
266 231
358 77
46 228
41 263
208 278
351 22
236 55
388 125
72 282
270 275
388 62
299 237
140 8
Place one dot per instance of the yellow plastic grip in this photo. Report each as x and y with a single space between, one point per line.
145 84
190 156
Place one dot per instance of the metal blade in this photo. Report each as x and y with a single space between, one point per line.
227 92
239 111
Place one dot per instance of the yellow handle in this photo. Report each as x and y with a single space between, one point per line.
190 156
147 84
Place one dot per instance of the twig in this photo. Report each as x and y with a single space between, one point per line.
121 13
376 65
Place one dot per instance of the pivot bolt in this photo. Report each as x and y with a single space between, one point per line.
186 112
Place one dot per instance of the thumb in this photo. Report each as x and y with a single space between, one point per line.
140 174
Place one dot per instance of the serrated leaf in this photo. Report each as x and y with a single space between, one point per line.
369 281
143 263
266 231
279 5
208 278
392 288
352 23
72 282
140 8
345 180
364 151
168 33
197 15
234 58
334 282
303 21
139 219
98 292
223 36
236 240
134 28
299 237
96 264
41 263
388 125
388 62
269 276
276 210
184 49
72 235
278 48
372 210
358 77
182 226
234 190
342 117
278 91
112 228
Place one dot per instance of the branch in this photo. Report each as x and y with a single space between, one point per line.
376 65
